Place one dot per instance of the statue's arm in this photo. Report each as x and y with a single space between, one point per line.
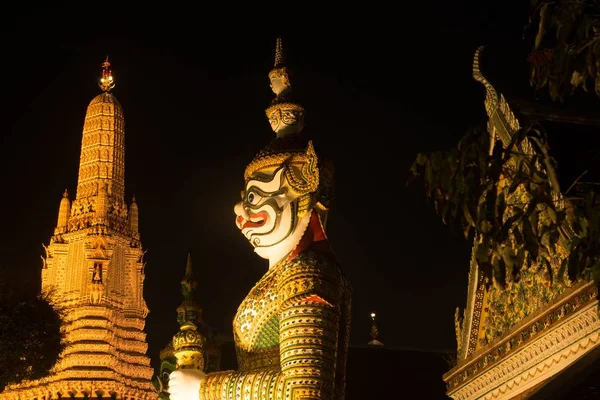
308 331
225 385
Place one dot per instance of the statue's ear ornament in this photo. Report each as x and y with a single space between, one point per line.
302 172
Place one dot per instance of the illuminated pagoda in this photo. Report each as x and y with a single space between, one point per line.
94 269
522 341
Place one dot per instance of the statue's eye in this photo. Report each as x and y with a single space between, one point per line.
253 198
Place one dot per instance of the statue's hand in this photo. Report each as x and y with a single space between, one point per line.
184 384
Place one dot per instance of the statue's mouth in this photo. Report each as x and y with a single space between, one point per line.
256 220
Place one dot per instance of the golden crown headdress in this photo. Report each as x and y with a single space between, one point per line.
302 172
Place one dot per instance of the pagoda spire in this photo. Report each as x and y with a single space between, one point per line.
106 81
134 216
374 332
64 212
102 160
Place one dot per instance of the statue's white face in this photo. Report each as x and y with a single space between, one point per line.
267 215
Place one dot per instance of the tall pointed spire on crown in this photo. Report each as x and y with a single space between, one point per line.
286 116
188 284
279 76
279 54
106 81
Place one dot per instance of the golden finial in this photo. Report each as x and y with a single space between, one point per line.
66 193
106 81
279 55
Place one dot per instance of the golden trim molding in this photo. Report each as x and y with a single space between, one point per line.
537 349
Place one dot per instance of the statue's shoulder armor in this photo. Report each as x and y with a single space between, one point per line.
311 273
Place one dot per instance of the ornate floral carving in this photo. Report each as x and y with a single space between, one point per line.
505 308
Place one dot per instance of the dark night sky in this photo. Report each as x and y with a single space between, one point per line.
378 87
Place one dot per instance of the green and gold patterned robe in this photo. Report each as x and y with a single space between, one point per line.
291 334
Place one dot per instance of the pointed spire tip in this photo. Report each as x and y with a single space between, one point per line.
188 267
279 54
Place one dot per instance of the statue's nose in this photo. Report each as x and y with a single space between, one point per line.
239 221
241 215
